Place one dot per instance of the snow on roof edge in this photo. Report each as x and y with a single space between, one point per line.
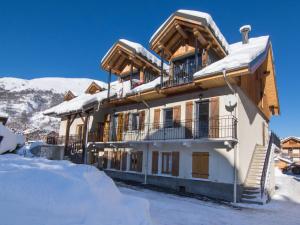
207 17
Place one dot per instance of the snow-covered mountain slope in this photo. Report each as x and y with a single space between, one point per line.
25 100
54 84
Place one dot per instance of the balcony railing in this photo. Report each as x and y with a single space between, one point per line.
221 127
180 74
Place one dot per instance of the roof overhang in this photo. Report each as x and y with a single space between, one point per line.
121 55
180 27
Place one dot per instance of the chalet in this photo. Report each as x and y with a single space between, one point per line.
195 119
290 148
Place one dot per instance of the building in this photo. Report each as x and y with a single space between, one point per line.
195 120
290 148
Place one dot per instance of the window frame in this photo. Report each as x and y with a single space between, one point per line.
166 163
168 123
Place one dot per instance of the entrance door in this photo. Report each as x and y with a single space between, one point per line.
203 119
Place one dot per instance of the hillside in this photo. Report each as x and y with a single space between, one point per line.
25 100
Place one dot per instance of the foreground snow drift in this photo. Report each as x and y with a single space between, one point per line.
9 140
37 191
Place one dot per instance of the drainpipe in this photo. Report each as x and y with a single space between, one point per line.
147 135
86 138
235 172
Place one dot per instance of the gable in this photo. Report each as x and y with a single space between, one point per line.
93 88
69 95
291 143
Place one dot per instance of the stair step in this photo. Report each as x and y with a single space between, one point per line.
253 191
252 201
246 196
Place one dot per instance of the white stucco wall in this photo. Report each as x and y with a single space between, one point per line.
250 132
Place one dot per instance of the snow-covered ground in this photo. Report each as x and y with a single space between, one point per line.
167 209
36 191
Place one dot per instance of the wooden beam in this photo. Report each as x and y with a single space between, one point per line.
166 50
199 36
181 31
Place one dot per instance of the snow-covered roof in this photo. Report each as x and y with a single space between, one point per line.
283 159
118 89
290 137
205 17
240 56
139 49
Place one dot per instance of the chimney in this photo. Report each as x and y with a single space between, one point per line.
244 30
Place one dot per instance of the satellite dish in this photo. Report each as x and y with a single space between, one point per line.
230 101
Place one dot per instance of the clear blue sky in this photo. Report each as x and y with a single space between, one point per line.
69 38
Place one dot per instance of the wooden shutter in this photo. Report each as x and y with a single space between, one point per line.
214 118
175 163
141 120
126 122
120 127
139 161
106 128
154 162
124 160
177 115
105 159
200 165
156 118
188 119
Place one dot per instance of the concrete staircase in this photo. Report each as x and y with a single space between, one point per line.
252 189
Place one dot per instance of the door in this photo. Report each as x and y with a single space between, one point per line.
203 119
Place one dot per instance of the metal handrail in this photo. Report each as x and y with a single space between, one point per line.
220 127
272 140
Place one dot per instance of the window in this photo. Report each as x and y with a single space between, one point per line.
115 160
203 119
79 131
136 161
134 121
168 118
148 76
166 167
200 164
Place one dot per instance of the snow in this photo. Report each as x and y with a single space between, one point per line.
245 27
139 49
26 149
3 115
37 191
166 209
55 84
283 159
118 89
209 21
9 140
240 55
147 86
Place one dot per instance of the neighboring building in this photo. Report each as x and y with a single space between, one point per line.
290 148
195 120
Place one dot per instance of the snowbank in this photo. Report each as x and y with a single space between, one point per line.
240 55
9 140
37 191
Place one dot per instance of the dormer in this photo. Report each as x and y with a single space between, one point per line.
94 88
69 95
131 61
189 39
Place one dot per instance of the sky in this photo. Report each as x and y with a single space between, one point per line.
69 38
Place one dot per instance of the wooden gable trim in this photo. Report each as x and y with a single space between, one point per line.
175 26
69 95
121 55
89 90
